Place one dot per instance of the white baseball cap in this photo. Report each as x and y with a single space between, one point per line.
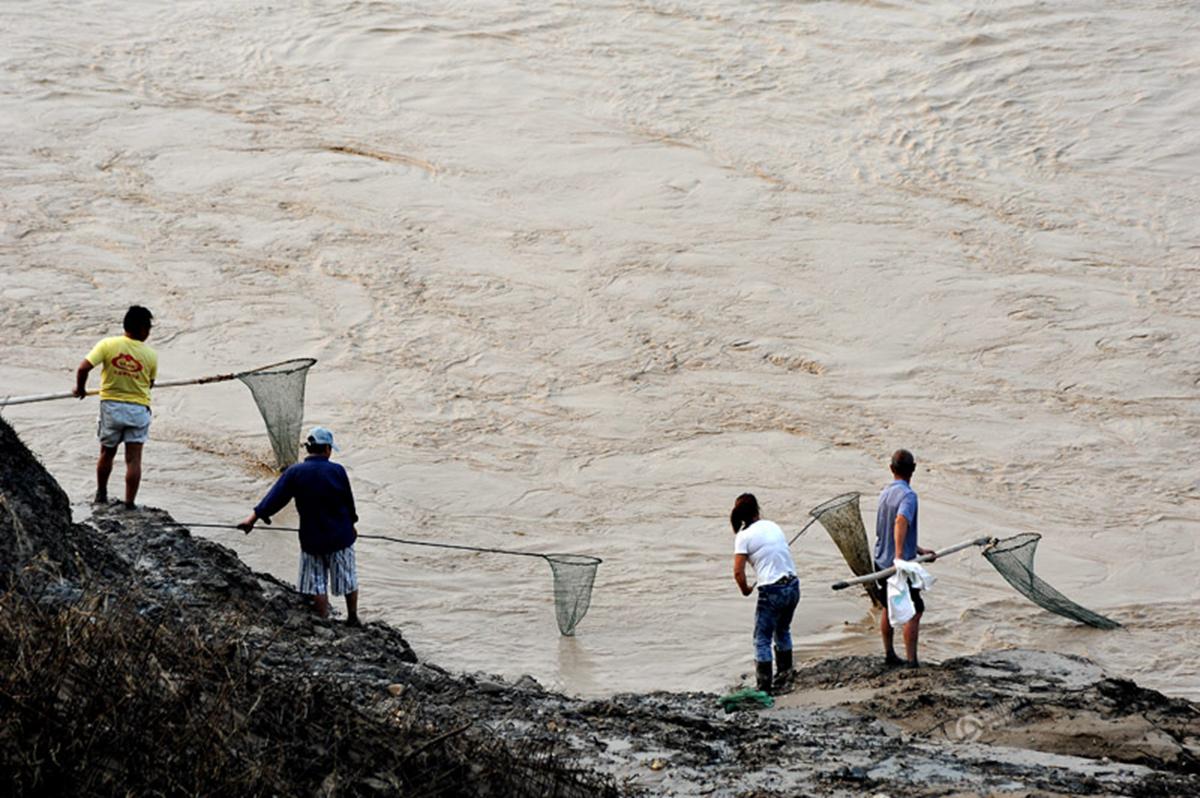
321 436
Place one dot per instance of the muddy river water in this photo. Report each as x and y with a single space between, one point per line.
578 273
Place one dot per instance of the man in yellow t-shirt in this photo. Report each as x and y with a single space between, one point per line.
128 370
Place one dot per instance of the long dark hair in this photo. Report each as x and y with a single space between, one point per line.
745 511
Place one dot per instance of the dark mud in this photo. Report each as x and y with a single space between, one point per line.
1002 723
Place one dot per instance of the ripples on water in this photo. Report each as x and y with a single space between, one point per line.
588 270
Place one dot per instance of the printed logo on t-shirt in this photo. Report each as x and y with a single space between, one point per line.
127 364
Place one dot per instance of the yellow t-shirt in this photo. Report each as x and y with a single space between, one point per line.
129 368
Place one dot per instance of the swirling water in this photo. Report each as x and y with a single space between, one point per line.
579 273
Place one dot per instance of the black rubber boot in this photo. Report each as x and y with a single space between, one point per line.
763 674
784 675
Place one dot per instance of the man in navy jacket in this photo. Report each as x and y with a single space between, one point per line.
325 503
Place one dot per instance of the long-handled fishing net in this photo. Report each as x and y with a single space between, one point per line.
842 519
574 574
1013 558
278 390
879 576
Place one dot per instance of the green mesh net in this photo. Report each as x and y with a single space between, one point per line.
574 576
842 519
1013 558
278 390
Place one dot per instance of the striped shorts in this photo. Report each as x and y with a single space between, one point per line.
321 574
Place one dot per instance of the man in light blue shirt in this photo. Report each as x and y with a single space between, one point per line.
896 538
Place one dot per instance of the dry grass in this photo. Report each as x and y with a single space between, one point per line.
99 699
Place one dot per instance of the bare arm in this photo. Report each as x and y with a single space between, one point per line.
739 574
81 375
901 533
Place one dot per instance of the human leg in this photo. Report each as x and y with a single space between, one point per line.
136 431
912 629
785 600
784 673
109 434
133 472
888 635
764 627
104 467
314 581
764 631
343 581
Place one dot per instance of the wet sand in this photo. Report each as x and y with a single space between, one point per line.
577 276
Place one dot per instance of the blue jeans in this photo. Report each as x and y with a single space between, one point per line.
773 618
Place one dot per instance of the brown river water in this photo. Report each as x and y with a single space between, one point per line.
578 273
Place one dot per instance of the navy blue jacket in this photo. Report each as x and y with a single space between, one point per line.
323 499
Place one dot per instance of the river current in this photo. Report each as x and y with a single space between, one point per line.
579 273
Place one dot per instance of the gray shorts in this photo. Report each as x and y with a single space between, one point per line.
321 574
122 422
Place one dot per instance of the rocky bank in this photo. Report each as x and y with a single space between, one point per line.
997 723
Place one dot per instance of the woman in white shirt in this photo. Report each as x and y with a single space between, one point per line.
765 546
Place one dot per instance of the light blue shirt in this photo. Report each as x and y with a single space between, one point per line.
896 499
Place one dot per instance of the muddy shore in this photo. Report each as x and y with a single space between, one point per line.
1012 722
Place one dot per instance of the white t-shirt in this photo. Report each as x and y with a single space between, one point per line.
766 547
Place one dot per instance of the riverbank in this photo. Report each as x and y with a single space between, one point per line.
155 659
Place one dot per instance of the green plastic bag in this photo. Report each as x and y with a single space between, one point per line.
746 699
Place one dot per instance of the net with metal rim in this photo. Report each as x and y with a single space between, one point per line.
842 519
574 575
278 391
1013 558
